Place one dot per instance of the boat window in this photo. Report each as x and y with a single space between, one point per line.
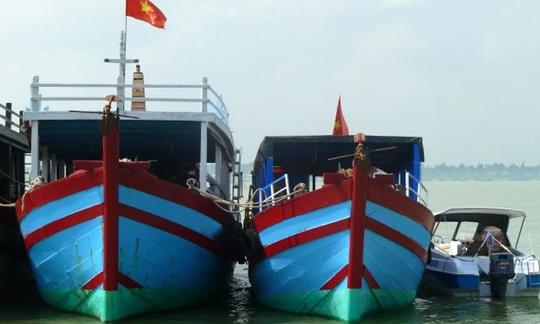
466 231
445 231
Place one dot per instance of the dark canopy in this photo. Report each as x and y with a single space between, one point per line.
309 154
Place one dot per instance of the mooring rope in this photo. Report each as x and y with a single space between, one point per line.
250 204
12 179
489 236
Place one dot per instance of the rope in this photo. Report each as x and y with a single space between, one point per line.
488 237
11 205
219 202
12 179
6 203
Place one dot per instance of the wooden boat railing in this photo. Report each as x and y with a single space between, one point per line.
209 98
6 116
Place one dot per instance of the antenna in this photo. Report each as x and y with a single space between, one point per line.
121 81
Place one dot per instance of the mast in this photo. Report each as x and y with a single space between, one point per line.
121 80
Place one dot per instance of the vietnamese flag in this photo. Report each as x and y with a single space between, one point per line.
146 11
340 125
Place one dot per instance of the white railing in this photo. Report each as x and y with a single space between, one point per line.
278 188
209 97
420 191
527 265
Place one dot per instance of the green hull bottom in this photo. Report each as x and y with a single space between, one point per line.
346 304
114 305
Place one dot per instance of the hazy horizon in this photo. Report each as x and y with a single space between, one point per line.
463 75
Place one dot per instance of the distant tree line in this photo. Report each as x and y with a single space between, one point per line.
481 172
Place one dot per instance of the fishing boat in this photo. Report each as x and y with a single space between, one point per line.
334 237
126 221
475 254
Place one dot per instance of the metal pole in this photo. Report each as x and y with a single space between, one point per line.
35 97
45 163
34 149
205 95
203 155
120 90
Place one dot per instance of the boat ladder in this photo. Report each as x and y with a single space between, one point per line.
237 184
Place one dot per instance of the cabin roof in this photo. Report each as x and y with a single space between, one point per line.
309 154
471 213
484 216
151 136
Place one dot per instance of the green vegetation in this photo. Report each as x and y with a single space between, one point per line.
481 172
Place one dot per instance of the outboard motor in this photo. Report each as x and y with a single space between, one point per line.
501 268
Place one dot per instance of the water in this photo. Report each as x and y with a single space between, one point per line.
240 307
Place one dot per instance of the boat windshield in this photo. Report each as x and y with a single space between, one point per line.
466 237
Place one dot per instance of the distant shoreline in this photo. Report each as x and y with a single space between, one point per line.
462 172
481 172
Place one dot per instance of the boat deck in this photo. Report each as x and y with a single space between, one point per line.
173 139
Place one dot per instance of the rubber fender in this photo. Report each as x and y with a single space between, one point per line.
253 247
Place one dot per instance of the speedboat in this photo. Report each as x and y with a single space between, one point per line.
474 252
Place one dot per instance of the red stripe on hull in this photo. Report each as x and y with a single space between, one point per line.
127 281
305 237
94 282
174 193
399 203
110 203
61 224
170 227
308 202
371 281
358 225
395 236
50 192
122 279
336 279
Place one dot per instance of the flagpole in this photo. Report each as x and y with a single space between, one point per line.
121 80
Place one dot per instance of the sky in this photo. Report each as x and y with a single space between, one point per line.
464 75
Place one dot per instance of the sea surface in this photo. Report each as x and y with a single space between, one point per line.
239 306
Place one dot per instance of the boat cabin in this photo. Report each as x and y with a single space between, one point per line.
294 160
183 136
463 231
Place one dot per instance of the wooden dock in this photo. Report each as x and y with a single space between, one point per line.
13 147
15 273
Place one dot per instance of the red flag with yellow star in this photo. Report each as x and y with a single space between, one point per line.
340 125
146 11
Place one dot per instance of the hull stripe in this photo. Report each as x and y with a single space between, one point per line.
170 227
305 237
50 192
308 202
395 236
122 279
371 281
61 224
336 279
395 201
337 193
175 193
